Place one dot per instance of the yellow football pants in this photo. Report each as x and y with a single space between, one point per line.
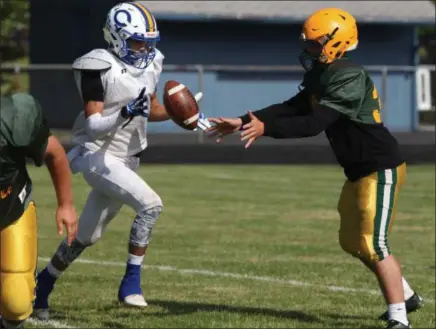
18 258
367 211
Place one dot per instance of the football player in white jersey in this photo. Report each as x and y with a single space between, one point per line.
118 88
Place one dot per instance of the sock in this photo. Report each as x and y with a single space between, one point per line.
408 292
54 272
135 260
398 312
46 281
49 275
131 283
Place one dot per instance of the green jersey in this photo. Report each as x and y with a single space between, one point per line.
341 100
23 134
359 139
346 88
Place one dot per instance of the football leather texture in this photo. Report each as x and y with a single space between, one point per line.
181 105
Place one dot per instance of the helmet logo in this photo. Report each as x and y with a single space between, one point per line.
122 18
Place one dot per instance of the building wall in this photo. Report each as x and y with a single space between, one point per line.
75 30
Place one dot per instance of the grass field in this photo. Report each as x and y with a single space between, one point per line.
241 246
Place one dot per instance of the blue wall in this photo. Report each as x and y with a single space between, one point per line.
233 43
273 44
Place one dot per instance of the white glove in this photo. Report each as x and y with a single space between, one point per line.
198 96
203 123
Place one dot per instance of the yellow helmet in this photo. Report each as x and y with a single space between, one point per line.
327 34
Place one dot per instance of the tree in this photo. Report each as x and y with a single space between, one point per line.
14 29
14 41
427 52
427 36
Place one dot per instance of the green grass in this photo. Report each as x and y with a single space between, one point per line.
278 222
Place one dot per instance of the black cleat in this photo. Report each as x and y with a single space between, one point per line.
395 324
413 304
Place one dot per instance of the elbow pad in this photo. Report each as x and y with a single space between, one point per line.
97 126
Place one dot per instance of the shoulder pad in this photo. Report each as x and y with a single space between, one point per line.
91 63
159 56
27 103
97 59
158 61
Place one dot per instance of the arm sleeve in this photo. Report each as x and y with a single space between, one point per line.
292 107
91 86
97 126
301 126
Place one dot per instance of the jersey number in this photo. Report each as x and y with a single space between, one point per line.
376 112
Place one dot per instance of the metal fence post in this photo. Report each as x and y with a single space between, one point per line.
200 81
384 92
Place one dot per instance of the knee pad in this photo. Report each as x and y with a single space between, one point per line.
67 254
18 254
365 248
17 295
348 244
140 234
155 202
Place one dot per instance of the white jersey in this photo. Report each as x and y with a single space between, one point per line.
122 83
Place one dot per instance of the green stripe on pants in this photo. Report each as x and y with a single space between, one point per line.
391 207
387 180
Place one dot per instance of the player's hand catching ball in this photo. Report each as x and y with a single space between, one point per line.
223 127
203 123
252 130
226 126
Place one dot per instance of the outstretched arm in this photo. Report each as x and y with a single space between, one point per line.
298 126
342 94
295 106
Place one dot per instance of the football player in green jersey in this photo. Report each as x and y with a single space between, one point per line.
339 97
24 134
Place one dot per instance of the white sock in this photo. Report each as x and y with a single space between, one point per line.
408 292
398 312
135 260
53 270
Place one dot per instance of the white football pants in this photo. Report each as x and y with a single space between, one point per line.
114 183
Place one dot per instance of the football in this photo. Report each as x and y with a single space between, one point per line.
180 105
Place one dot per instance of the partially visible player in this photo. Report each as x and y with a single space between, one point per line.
339 97
118 89
24 134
